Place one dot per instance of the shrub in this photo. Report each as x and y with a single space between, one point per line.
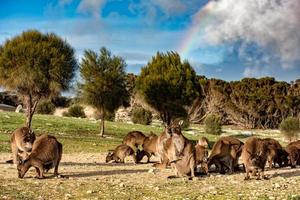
212 125
290 127
110 116
45 107
75 111
141 116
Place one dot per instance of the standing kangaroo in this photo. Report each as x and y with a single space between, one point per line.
21 142
46 153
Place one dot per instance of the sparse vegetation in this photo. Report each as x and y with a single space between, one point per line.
75 111
290 127
212 124
45 107
140 115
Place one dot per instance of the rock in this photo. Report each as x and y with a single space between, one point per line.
90 192
151 171
121 185
156 188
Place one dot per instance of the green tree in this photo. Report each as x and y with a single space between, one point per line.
139 115
104 82
167 85
36 66
212 125
290 127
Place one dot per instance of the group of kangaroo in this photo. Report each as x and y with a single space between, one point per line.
175 150
172 147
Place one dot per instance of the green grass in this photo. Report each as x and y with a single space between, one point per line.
77 135
82 135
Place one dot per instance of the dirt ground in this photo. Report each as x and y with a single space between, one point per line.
87 176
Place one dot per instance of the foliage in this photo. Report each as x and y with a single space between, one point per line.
141 116
36 66
110 116
290 127
9 99
75 111
45 107
61 101
212 125
167 85
250 102
104 82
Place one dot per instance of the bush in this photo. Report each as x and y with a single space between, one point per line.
45 107
110 116
212 125
75 111
290 127
141 116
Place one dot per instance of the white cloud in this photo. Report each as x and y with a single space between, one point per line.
274 25
93 7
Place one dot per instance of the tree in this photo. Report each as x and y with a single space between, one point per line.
212 125
167 85
36 66
290 127
104 82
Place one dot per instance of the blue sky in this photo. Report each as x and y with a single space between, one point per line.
137 29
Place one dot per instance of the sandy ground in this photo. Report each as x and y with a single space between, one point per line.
142 181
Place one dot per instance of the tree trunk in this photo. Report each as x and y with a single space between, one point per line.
30 109
102 124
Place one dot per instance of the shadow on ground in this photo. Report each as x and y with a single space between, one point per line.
102 173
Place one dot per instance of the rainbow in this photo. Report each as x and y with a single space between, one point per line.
192 35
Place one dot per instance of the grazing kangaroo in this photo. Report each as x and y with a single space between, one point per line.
120 153
225 153
255 154
134 139
276 153
46 153
293 150
149 147
201 156
203 141
21 142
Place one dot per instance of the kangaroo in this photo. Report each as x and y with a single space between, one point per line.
276 153
225 153
203 141
201 155
21 142
255 154
149 147
180 152
293 150
134 139
160 147
46 153
120 153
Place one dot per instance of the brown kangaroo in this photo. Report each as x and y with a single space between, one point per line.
225 153
293 150
201 156
21 142
46 153
203 141
276 153
120 153
149 147
180 151
134 139
255 154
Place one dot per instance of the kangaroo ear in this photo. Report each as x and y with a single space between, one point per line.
180 122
